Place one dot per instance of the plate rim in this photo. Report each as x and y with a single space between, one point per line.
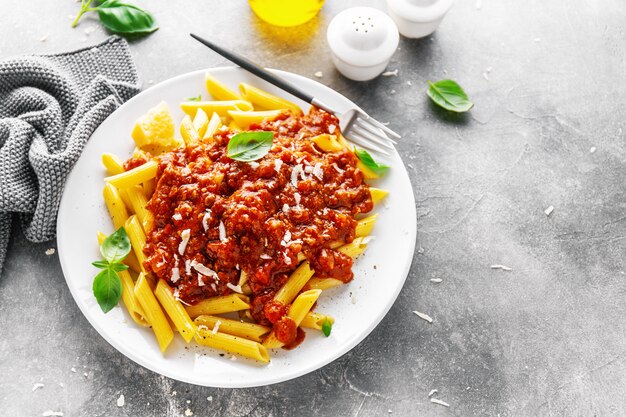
312 365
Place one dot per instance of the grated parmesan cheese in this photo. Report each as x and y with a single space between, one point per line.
200 282
222 232
37 386
188 412
318 171
277 164
339 170
253 164
120 401
216 327
185 235
203 327
294 174
287 259
298 198
285 208
187 266
177 216
549 210
51 413
436 280
175 274
423 316
432 392
331 129
319 74
265 256
50 252
390 73
235 288
205 220
203 269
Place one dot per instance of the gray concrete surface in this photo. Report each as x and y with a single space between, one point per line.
545 339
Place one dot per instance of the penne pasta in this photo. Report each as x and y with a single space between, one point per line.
367 172
315 320
201 122
233 344
327 143
365 225
135 176
138 201
115 205
378 194
234 126
148 187
154 314
188 131
297 280
250 331
355 248
214 124
265 100
218 305
323 283
112 164
175 311
219 107
298 310
218 90
137 239
244 119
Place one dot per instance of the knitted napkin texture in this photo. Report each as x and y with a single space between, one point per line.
49 107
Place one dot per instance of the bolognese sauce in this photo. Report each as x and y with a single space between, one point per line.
216 218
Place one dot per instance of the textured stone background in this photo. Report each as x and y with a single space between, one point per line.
547 338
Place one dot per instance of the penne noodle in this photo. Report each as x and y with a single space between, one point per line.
327 143
294 284
115 205
243 278
149 187
214 124
137 239
233 344
250 331
188 131
218 305
234 126
138 201
112 164
322 283
244 119
175 311
378 194
315 320
218 90
355 248
201 122
265 100
297 311
154 314
219 107
135 176
365 225
367 172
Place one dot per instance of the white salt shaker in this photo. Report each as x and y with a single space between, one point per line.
362 41
418 18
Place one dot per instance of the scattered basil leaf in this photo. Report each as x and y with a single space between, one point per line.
107 289
449 95
100 264
118 267
116 246
198 98
121 18
369 162
327 326
249 146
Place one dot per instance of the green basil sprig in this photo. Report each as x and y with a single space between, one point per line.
197 98
249 146
449 95
327 326
118 17
107 286
369 162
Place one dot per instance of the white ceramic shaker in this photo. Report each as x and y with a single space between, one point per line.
418 18
362 41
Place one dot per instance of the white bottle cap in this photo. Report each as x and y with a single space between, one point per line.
418 18
362 40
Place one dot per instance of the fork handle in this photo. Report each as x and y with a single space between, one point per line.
258 71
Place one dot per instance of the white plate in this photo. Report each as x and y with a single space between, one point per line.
357 307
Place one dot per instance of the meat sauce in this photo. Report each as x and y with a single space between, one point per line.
255 217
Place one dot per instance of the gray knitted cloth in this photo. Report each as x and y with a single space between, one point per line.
49 107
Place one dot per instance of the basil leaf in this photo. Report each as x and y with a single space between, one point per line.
115 247
107 288
369 162
117 267
449 95
249 146
198 98
327 326
100 264
125 18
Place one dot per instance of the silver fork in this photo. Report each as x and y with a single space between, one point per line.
355 124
